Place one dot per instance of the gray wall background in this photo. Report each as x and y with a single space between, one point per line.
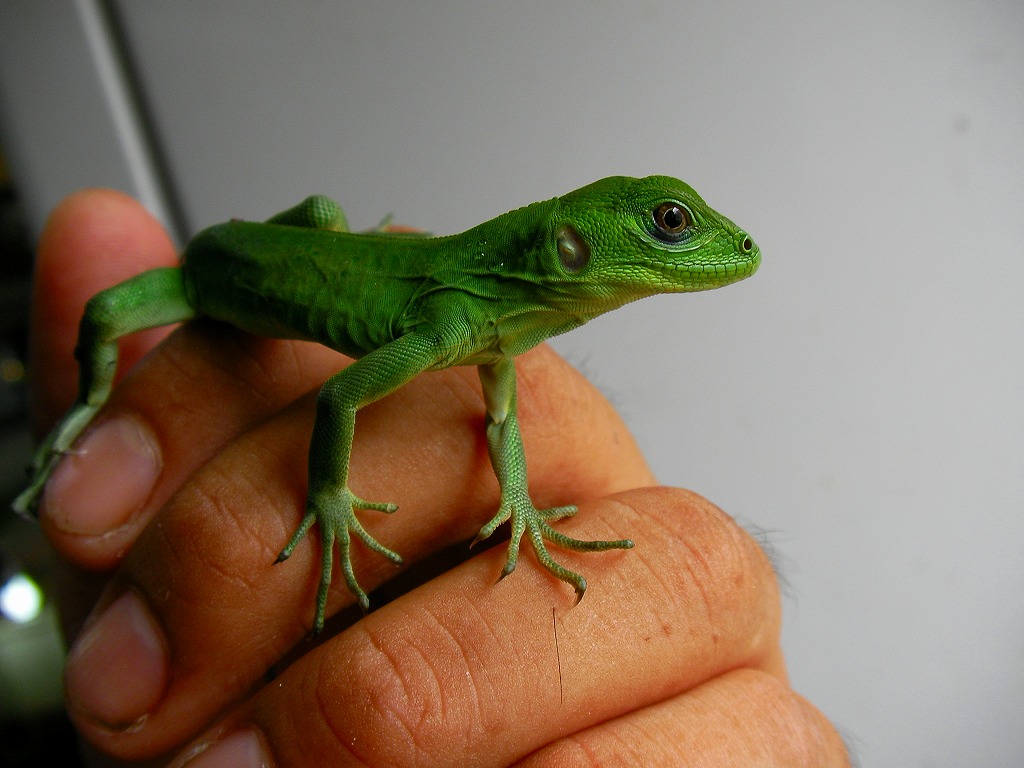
861 399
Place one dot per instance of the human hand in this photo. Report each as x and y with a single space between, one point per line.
193 476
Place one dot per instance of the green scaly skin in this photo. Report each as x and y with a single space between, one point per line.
403 305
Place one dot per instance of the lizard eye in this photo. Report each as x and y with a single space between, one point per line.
670 221
573 251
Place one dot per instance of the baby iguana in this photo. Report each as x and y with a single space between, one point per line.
404 305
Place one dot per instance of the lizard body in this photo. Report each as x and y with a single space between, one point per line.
402 305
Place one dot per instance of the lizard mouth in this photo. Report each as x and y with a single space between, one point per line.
707 275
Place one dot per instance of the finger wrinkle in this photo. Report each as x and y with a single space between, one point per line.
425 661
753 583
435 699
380 721
653 558
250 374
444 655
721 563
219 526
575 752
801 736
700 582
473 663
269 370
228 358
259 362
347 742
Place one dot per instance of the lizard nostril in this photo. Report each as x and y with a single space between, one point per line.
747 245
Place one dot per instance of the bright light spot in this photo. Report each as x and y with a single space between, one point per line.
20 599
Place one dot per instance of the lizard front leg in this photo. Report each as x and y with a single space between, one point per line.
505 446
329 501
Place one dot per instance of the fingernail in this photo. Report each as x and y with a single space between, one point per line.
117 669
106 478
243 749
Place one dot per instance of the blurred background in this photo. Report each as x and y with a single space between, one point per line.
860 401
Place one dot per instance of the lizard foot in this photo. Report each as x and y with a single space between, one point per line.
49 454
337 519
527 519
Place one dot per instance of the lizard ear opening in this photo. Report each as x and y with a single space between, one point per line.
573 251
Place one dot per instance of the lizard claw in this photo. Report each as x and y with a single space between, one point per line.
337 520
527 519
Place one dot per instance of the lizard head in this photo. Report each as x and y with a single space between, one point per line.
620 239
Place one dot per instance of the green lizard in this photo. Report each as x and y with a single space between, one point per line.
403 305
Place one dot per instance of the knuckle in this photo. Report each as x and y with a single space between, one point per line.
703 558
796 733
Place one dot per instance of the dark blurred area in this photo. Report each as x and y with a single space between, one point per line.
34 729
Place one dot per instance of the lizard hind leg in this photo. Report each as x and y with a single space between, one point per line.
505 447
148 300
315 212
